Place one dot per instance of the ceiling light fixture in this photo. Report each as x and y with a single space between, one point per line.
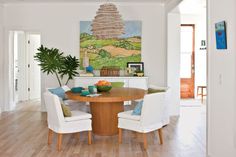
107 24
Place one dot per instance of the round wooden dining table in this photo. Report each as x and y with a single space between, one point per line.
104 108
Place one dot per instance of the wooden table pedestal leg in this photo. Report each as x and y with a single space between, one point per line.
104 117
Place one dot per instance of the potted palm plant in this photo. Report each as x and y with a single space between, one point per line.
52 61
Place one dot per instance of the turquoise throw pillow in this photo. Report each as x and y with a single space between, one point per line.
60 92
138 108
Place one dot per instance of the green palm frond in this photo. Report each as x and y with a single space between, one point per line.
69 67
52 61
49 59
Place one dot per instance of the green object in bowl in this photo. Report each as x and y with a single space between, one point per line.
77 89
104 88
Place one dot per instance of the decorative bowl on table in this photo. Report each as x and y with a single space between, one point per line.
103 86
77 89
84 93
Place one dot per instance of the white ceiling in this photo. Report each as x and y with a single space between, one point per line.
192 6
32 1
185 7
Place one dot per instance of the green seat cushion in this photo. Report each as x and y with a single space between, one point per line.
152 90
66 110
117 84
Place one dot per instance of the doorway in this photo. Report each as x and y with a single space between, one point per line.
27 75
187 64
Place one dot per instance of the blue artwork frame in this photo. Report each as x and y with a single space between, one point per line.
221 38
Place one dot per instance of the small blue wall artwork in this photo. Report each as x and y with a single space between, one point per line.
221 39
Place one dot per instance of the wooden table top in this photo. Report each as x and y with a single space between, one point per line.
114 95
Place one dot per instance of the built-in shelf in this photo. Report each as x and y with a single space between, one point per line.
136 82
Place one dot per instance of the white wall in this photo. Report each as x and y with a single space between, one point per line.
200 55
59 26
173 62
222 82
1 56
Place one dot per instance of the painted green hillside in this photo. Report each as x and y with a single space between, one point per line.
110 52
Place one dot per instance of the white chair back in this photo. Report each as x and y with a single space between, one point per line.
158 87
152 110
55 115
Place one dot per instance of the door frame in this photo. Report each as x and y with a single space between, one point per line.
192 60
9 102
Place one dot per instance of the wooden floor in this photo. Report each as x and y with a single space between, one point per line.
23 133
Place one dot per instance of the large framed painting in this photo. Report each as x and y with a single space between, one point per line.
221 38
111 52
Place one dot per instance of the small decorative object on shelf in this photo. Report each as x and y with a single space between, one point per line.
129 71
89 69
136 68
110 71
86 74
103 86
139 73
85 60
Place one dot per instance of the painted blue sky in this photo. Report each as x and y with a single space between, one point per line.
132 28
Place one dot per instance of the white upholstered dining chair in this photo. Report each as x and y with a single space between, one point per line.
166 116
149 120
57 123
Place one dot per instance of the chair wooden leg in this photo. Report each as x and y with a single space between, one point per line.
89 137
59 140
50 135
120 135
145 141
160 135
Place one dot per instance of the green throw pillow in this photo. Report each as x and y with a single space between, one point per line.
117 84
66 110
152 90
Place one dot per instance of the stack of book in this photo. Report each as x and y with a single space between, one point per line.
86 74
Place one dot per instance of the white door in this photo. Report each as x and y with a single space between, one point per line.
22 80
34 83
17 43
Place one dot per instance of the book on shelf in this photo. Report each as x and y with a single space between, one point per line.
86 74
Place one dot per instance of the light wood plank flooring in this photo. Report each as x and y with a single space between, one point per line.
23 133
